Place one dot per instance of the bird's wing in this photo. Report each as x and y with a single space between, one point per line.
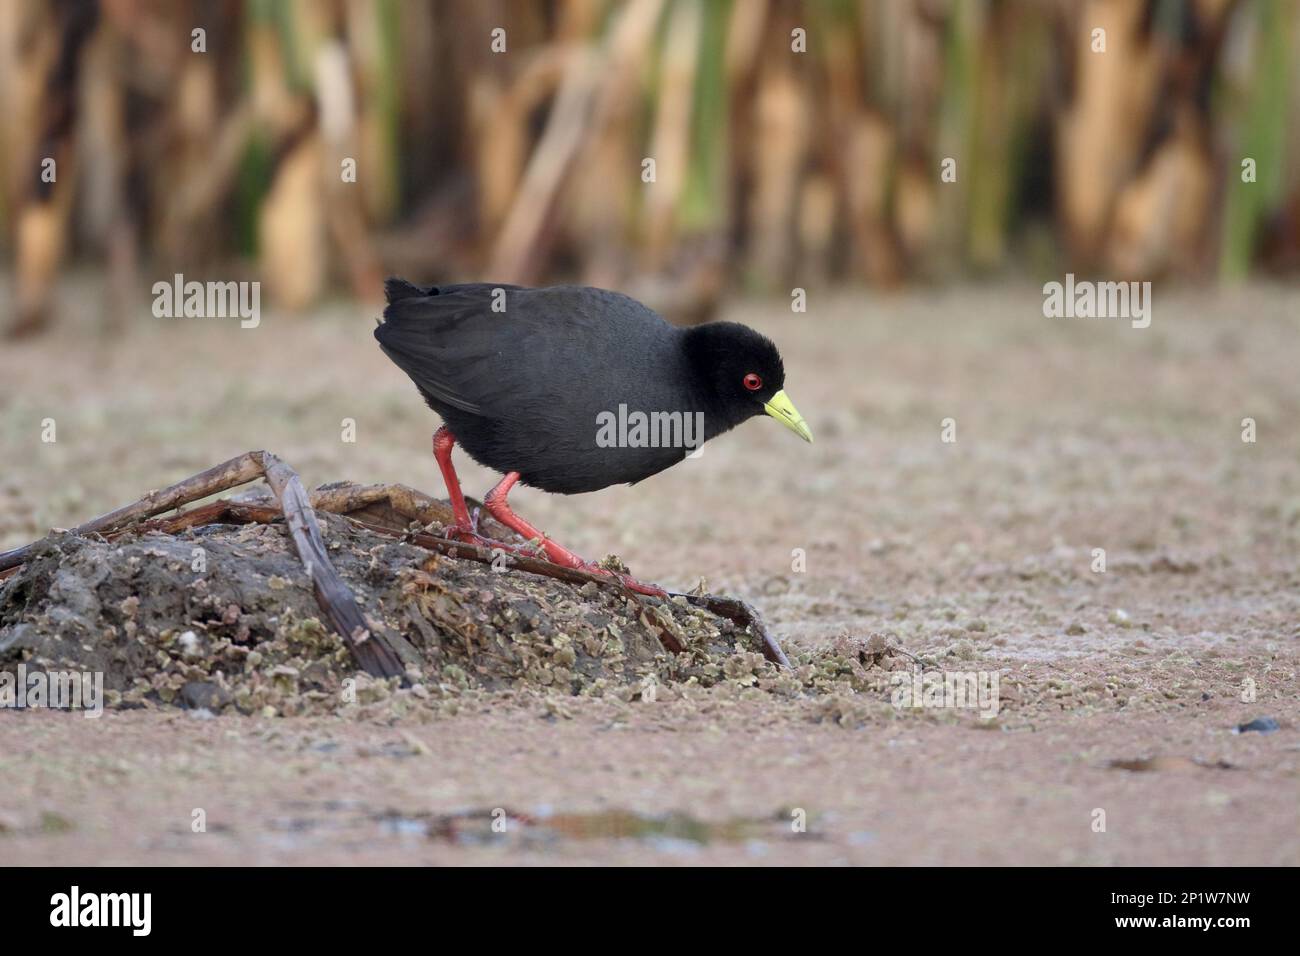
460 351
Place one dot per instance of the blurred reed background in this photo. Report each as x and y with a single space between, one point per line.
773 168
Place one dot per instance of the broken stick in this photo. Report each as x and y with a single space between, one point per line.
371 650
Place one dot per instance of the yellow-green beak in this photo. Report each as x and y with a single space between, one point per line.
782 409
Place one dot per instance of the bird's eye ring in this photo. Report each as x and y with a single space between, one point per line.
753 382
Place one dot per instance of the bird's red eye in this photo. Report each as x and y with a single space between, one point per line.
753 382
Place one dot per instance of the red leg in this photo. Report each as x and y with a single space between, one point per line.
496 504
466 527
443 440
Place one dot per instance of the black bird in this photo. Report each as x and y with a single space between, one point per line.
572 389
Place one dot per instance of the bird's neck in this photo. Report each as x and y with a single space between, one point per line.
702 351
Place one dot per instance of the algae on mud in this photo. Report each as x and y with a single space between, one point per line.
222 616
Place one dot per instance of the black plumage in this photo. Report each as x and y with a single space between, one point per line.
523 376
571 389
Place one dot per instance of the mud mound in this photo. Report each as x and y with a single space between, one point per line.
223 616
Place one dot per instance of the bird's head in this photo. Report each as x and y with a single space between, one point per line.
746 372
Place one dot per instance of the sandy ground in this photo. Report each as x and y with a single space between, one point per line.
1119 690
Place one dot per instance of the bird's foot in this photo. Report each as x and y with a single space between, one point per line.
629 582
553 551
556 553
467 533
537 548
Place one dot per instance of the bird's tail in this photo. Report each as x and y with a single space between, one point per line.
395 290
